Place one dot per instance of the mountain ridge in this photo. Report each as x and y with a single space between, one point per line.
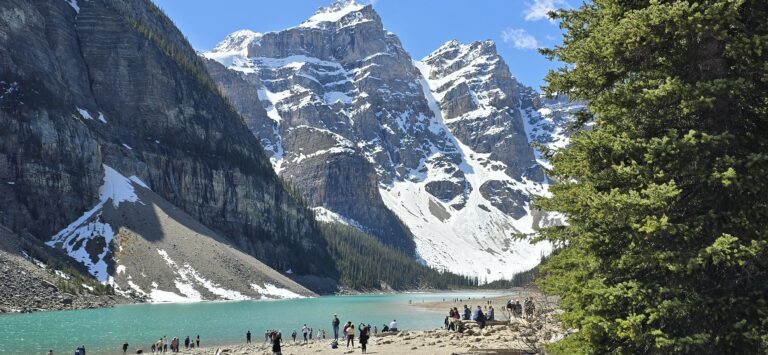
346 109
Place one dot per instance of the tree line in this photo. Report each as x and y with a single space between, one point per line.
364 263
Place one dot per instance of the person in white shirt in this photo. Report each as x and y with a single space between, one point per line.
393 325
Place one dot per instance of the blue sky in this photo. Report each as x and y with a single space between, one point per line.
517 26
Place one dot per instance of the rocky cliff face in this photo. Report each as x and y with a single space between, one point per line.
369 136
89 84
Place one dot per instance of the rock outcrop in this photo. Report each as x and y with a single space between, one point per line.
29 285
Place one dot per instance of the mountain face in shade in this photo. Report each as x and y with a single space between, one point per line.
100 88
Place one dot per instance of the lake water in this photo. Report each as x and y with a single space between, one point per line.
103 331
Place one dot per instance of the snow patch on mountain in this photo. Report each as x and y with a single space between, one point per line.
476 239
74 5
323 214
548 126
270 291
188 278
89 237
233 50
332 13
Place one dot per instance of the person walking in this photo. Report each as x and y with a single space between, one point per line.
335 324
293 335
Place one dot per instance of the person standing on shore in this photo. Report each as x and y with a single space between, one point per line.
50 352
248 337
277 338
349 331
125 348
491 313
335 324
364 331
197 341
305 331
467 313
293 335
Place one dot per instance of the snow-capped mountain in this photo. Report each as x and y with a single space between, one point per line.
371 137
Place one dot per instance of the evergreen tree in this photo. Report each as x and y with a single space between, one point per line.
667 195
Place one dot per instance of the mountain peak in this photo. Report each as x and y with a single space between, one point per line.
454 48
237 41
333 12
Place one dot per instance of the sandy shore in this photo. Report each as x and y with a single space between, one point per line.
518 336
437 342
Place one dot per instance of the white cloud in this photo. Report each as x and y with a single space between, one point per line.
519 38
538 9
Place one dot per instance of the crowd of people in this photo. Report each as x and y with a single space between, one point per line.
162 345
453 321
454 317
525 310
348 333
274 338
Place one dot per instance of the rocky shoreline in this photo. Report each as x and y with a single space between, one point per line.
27 287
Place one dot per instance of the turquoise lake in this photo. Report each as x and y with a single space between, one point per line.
103 331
